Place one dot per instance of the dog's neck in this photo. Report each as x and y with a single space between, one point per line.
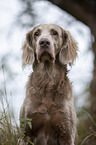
55 72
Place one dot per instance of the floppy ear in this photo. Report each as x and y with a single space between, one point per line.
68 50
28 52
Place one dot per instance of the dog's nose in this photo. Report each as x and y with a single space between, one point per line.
44 43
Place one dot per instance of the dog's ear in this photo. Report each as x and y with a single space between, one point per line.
28 52
68 50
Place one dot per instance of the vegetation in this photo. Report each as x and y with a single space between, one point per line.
85 132
10 133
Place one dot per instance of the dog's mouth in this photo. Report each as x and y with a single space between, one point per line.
45 56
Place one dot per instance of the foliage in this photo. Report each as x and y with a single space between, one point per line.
84 130
26 14
25 120
10 133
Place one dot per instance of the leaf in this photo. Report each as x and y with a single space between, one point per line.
2 130
27 121
31 142
29 124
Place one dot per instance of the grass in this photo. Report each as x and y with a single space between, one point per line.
86 129
9 130
10 133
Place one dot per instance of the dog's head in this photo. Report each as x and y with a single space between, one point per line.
45 42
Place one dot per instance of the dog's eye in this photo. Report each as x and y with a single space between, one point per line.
55 33
36 33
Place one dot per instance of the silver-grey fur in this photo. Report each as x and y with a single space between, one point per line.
49 101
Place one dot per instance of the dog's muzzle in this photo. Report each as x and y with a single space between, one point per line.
45 50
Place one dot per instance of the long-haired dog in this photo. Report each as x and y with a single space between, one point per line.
49 101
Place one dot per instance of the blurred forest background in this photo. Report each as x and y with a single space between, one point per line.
77 16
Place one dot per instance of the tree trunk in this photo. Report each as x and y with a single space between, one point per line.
92 140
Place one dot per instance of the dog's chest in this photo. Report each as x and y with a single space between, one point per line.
46 115
46 91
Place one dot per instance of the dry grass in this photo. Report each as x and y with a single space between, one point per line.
10 133
86 129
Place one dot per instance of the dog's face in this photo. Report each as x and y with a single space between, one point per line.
46 41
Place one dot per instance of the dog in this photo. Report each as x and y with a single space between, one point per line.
49 102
